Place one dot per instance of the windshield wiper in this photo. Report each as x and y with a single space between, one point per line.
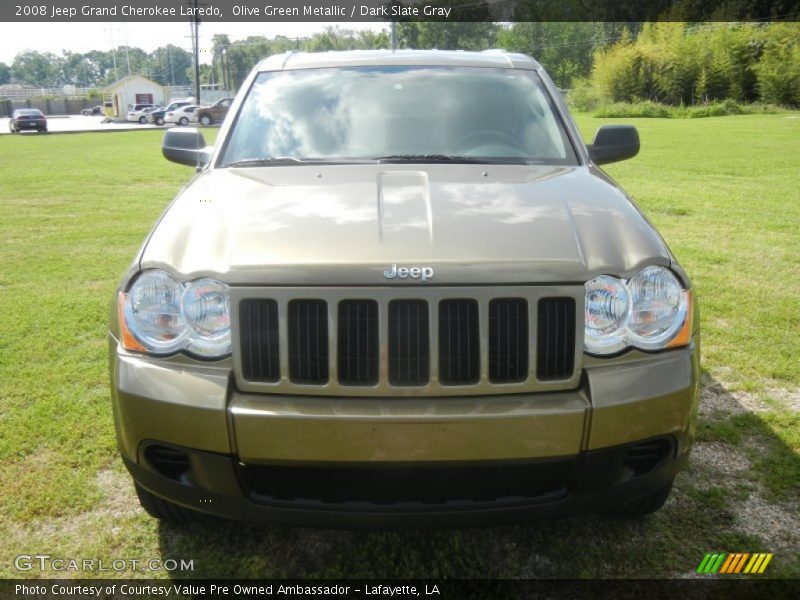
431 158
260 162
449 158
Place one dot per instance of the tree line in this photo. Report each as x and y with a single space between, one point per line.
566 48
167 65
673 63
686 64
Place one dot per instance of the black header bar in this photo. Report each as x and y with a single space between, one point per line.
399 10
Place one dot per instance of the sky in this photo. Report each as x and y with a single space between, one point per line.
82 37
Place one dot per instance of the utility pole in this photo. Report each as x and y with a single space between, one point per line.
196 52
394 36
195 31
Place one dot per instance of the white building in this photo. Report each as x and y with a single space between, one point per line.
134 89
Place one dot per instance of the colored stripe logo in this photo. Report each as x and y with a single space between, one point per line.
734 563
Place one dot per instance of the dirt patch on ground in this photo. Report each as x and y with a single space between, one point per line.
729 466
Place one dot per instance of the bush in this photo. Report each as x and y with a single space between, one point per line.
635 110
655 110
680 65
582 95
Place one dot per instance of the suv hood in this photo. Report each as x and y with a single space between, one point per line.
346 225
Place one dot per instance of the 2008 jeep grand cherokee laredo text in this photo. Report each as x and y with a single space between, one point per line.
399 292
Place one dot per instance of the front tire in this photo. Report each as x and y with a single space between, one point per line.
183 121
205 120
142 120
159 121
164 510
642 506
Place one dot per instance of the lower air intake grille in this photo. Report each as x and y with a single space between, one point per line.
398 485
556 338
358 342
409 353
259 327
459 342
308 341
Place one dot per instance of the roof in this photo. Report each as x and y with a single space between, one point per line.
445 58
128 78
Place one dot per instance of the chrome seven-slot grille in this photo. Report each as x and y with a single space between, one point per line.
346 343
397 343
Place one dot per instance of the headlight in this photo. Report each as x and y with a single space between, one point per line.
608 308
651 311
161 315
659 308
153 312
206 311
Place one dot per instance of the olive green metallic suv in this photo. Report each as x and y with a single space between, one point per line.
400 292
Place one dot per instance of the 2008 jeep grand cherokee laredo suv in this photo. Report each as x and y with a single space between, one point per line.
400 292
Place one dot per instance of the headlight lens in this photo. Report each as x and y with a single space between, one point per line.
206 311
647 311
659 308
165 315
153 312
608 308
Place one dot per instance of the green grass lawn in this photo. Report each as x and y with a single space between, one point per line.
725 194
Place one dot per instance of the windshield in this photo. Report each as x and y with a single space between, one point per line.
395 113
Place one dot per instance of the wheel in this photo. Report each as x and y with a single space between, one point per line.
159 121
183 121
11 129
205 120
142 120
43 130
642 506
164 509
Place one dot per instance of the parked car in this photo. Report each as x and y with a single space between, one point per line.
27 118
137 114
157 116
182 115
145 118
401 291
95 110
215 113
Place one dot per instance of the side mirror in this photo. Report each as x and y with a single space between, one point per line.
612 143
186 146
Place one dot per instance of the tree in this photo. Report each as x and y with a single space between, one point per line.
447 35
564 49
170 65
42 69
5 73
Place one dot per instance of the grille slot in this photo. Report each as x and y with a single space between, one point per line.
459 342
308 341
555 356
508 340
358 342
259 341
409 351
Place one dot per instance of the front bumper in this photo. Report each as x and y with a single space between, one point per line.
244 453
